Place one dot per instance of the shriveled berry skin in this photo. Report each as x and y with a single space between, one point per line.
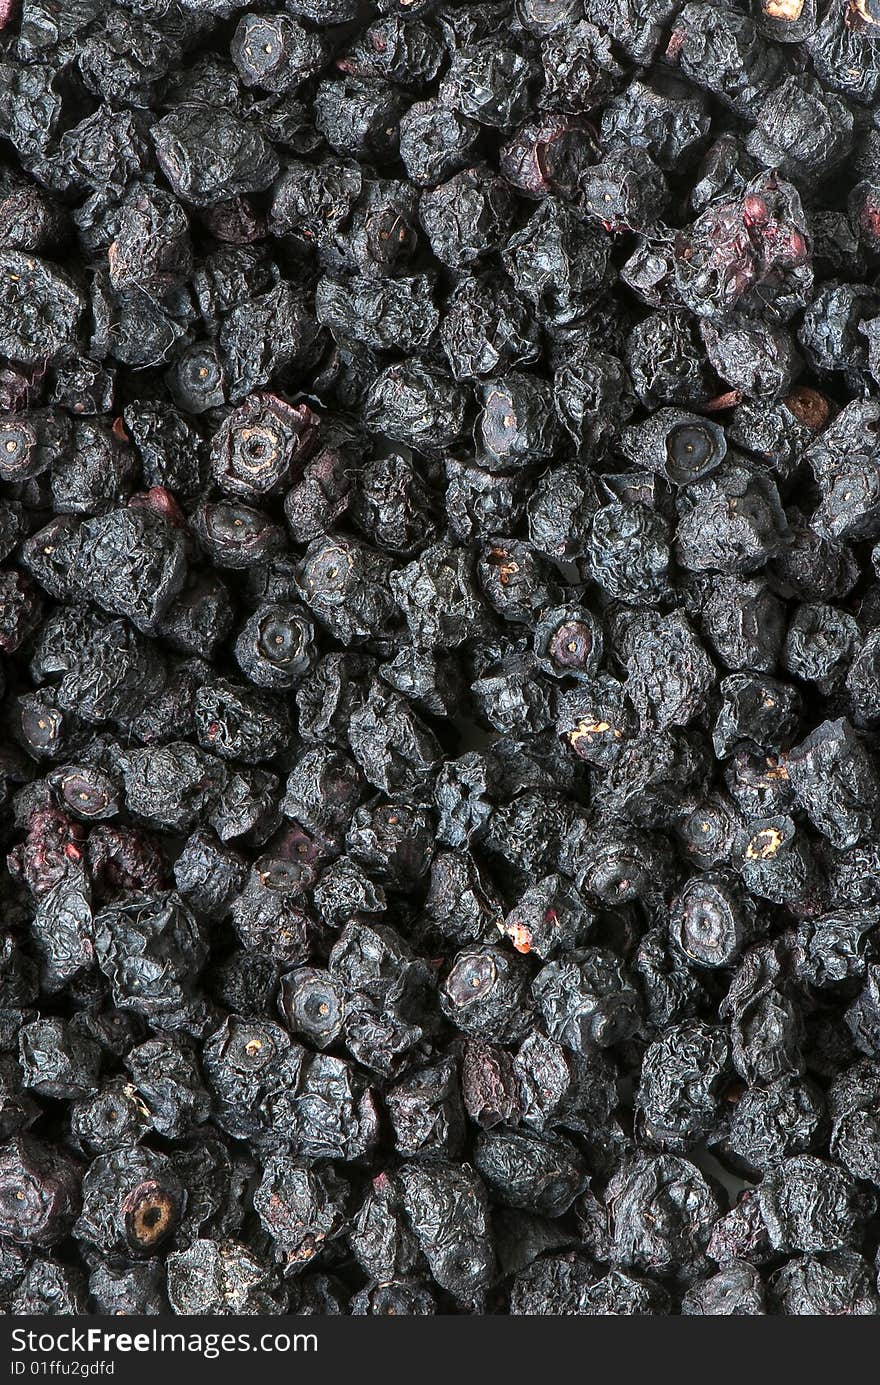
56 1061
486 994
129 1288
132 1202
276 645
184 141
254 451
301 1208
736 1290
222 1278
845 809
39 1192
586 1000
440 657
711 919
49 1288
806 1204
446 1207
113 1118
771 1123
526 1171
682 1078
169 1082
151 949
691 1205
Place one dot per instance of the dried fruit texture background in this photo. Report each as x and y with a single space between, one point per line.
440 637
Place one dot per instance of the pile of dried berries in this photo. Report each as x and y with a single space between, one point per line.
440 630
